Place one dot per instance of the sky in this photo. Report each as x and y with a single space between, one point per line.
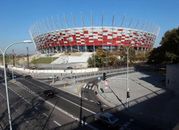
17 16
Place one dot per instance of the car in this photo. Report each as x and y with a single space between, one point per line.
69 67
107 118
33 67
28 77
49 93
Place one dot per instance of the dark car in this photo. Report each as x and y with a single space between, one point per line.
69 67
28 77
49 93
107 118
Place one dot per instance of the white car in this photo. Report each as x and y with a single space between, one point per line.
107 118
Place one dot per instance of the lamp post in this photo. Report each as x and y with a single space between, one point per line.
127 76
13 63
5 79
53 75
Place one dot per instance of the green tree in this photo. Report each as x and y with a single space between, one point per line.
168 52
103 58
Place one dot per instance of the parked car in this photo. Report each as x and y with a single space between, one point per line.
69 67
107 118
28 77
49 93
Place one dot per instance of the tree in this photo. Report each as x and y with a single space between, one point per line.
103 58
168 52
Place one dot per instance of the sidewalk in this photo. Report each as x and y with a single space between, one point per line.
149 99
138 88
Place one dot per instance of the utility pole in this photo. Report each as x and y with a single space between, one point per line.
27 57
13 58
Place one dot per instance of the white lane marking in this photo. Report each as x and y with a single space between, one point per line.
92 88
91 100
66 113
34 85
49 104
26 89
20 96
57 123
74 103
84 86
77 105
13 104
105 105
45 114
2 96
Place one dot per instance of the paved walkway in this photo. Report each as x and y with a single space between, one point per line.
149 100
138 86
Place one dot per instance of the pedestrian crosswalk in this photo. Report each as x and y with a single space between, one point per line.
90 86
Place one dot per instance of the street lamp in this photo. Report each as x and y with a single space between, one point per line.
5 78
127 76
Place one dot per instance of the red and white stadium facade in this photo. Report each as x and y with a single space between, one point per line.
88 39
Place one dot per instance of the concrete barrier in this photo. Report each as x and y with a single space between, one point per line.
35 71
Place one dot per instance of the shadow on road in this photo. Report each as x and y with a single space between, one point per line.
156 111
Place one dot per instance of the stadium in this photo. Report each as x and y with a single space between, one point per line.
53 36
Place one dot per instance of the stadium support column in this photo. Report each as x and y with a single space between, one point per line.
61 49
71 48
66 49
66 23
78 48
113 18
85 49
102 27
93 42
74 32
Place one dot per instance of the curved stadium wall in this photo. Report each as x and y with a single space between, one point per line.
50 38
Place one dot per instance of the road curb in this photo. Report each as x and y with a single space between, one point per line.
100 97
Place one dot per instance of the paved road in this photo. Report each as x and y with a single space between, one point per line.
89 93
30 92
30 110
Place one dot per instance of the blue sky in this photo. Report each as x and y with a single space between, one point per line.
16 16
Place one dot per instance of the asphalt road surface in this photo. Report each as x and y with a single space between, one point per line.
66 101
29 111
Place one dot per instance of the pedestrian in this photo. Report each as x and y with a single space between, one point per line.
84 120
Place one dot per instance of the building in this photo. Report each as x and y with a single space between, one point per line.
51 39
172 74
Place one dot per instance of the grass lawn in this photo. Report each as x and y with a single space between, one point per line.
43 60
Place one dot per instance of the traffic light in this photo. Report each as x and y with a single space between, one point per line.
104 76
128 94
102 90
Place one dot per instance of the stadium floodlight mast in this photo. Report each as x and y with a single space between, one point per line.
5 78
